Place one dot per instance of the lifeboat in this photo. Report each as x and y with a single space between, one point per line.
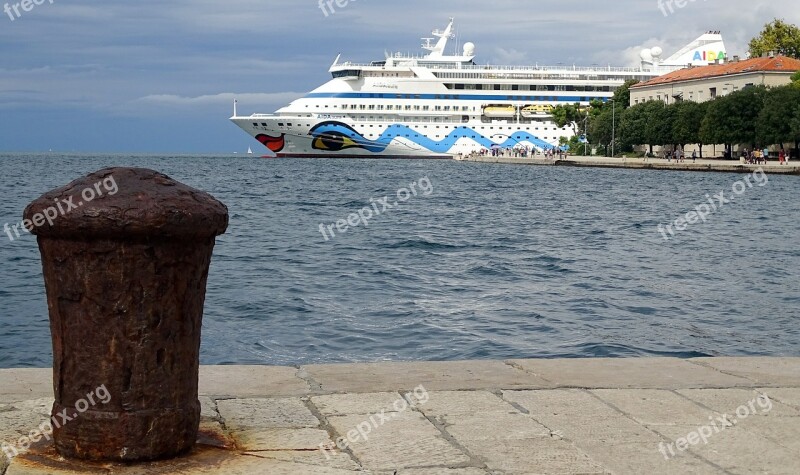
499 111
538 109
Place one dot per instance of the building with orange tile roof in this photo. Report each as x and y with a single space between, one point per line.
704 83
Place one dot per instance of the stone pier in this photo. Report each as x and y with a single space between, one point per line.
729 166
593 416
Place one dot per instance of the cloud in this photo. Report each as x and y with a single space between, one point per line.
161 61
215 99
510 56
208 105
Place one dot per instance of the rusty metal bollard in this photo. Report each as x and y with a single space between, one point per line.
125 259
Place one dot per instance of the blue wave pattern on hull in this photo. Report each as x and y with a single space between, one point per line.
336 136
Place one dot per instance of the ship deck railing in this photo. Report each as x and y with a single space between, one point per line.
549 69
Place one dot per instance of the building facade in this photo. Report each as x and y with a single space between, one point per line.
705 83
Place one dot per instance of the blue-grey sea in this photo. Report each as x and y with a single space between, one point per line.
482 262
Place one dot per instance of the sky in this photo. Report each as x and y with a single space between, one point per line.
161 77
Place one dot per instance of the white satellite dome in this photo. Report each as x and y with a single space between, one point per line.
656 52
646 55
469 49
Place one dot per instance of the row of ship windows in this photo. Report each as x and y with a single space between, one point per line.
529 87
534 76
390 107
291 124
378 95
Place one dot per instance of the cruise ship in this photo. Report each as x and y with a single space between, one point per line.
440 105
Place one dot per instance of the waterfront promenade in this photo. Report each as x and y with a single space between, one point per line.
704 165
595 416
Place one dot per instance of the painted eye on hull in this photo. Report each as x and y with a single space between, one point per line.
334 142
334 136
275 144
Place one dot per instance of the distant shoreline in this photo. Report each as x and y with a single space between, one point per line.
704 165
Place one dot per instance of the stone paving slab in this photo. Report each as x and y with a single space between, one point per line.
468 418
464 402
409 440
541 403
314 459
284 413
251 381
509 425
784 431
655 406
536 455
662 373
448 375
738 450
306 439
23 384
351 404
763 371
436 471
787 396
727 401
644 458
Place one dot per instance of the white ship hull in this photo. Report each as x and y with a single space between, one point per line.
332 137
442 106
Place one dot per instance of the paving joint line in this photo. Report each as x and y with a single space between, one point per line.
553 434
474 461
524 370
517 406
708 366
325 425
314 387
224 426
658 434
764 393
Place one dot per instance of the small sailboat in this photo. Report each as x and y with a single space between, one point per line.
249 151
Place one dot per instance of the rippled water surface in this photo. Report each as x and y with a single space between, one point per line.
497 262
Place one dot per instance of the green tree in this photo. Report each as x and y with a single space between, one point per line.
658 129
732 119
688 116
572 115
774 124
648 123
632 125
778 36
573 144
603 114
600 128
795 127
622 96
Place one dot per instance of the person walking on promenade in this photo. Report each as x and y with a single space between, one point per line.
781 157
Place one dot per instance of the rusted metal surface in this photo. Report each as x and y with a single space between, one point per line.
42 459
125 276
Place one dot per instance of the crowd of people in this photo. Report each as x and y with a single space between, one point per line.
523 152
759 157
747 156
